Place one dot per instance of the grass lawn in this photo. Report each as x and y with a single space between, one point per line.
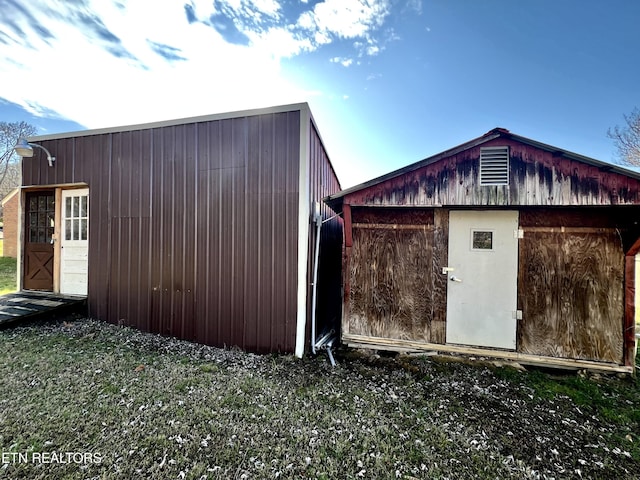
83 399
7 273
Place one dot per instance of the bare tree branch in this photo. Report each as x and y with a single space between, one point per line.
627 138
10 172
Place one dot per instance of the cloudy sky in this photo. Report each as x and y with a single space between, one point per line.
389 81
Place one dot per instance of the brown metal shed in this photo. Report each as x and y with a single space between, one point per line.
198 228
502 246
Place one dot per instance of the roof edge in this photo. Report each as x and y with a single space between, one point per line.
178 121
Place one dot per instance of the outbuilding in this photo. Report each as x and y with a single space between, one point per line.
502 246
201 228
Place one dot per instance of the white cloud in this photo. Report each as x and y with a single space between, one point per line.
345 62
346 18
107 62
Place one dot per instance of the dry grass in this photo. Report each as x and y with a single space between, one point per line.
152 407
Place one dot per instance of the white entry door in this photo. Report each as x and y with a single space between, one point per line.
74 245
482 278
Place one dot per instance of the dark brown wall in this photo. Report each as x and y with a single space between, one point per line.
193 228
323 182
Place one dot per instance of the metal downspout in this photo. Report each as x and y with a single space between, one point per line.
316 255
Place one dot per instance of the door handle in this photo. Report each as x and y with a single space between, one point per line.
453 278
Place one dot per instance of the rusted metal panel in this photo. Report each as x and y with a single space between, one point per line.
537 177
194 228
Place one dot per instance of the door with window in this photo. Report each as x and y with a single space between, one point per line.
38 255
74 243
482 278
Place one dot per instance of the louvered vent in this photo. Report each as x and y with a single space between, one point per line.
494 166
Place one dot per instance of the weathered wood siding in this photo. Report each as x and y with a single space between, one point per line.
575 288
571 286
536 178
395 290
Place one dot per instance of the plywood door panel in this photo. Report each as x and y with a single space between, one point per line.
391 282
572 294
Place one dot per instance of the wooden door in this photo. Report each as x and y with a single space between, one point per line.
38 252
482 281
74 246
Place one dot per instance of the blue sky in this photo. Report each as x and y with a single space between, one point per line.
389 82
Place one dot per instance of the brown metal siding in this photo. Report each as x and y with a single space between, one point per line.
323 182
193 227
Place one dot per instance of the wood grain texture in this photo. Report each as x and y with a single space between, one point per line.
440 259
570 288
390 277
536 177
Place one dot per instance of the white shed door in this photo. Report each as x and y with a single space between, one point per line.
74 246
482 281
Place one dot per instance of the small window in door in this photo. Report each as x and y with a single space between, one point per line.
481 240
76 218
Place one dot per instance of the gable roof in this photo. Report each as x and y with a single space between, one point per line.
336 199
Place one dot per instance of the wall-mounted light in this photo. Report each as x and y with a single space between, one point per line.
25 149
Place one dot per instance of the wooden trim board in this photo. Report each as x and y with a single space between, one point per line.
362 341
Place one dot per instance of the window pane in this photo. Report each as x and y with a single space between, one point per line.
76 206
41 236
67 207
33 235
33 204
482 240
67 229
50 204
83 206
83 229
42 203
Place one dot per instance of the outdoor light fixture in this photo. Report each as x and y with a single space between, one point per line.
25 149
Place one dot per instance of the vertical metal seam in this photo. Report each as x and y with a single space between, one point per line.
196 210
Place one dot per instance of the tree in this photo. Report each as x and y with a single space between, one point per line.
10 171
627 138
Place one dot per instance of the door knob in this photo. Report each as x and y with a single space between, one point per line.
455 279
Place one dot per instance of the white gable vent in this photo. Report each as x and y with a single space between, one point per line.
494 166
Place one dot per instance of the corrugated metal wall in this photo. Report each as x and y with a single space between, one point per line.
323 182
193 227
